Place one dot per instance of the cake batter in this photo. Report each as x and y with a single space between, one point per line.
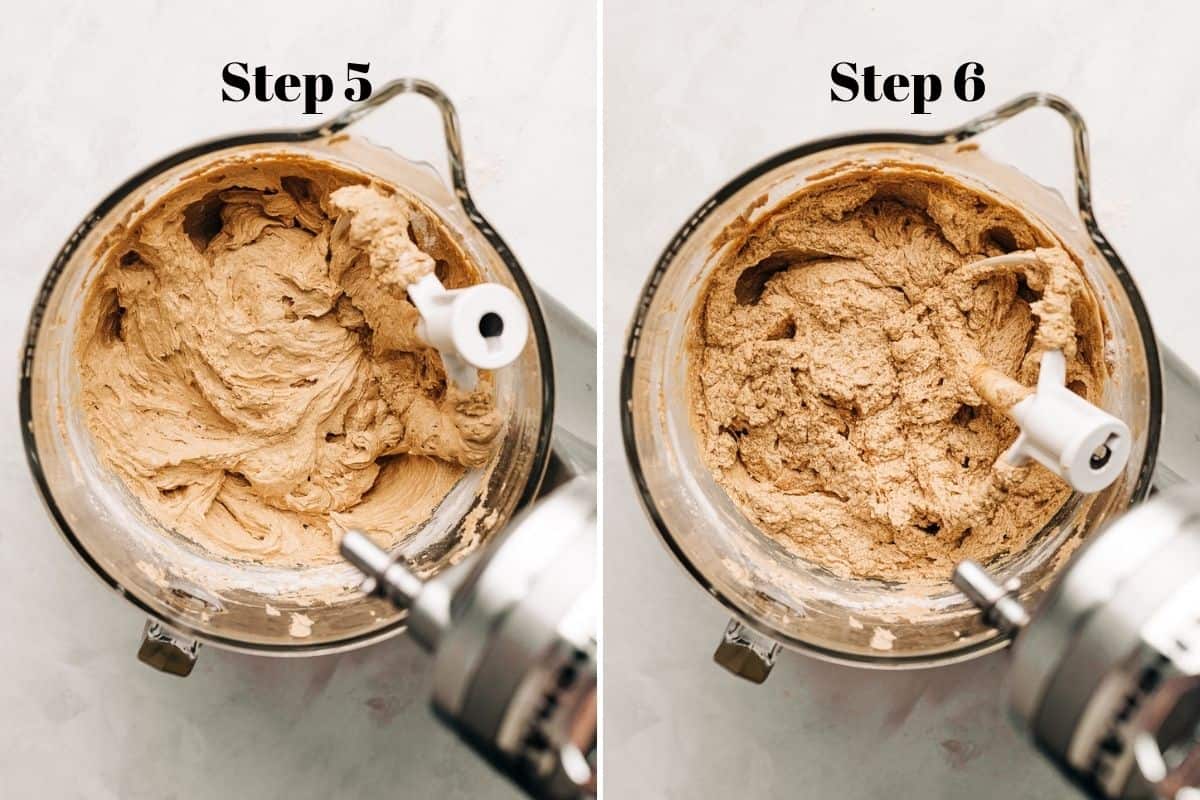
850 371
250 369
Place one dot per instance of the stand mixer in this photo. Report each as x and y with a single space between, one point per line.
1104 668
511 619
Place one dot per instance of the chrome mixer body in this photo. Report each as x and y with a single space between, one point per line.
1105 672
512 633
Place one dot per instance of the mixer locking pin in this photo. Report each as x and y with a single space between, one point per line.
999 604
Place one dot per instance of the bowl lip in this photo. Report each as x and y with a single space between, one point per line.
739 611
74 240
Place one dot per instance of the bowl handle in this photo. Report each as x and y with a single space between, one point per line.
1079 140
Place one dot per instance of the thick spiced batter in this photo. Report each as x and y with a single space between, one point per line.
249 365
849 370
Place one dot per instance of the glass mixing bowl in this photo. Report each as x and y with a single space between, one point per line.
805 607
239 605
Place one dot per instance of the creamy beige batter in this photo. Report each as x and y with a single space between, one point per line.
249 365
849 370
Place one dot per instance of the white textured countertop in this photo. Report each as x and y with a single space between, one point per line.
93 94
692 100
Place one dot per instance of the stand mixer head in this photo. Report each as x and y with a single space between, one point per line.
1105 674
513 636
